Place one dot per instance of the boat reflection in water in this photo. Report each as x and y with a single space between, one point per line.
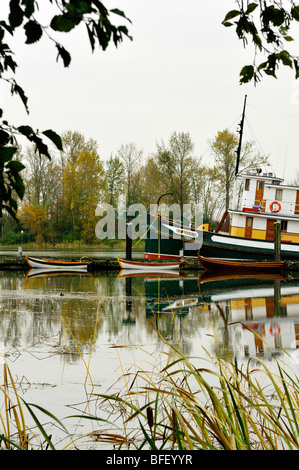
237 305
266 304
36 272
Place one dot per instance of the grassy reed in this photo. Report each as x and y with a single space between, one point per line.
174 404
183 406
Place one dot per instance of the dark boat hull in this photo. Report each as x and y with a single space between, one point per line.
209 244
228 265
219 245
170 241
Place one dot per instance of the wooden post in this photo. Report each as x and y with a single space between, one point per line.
129 233
128 294
277 241
159 235
277 297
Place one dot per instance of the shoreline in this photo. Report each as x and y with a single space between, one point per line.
19 263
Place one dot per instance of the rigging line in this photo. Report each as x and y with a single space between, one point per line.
236 121
254 136
272 111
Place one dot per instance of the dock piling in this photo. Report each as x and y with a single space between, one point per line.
277 241
129 233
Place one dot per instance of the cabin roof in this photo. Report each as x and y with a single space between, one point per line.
270 181
262 176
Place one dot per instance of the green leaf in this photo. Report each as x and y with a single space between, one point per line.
120 13
251 7
41 147
6 153
55 138
4 137
296 65
288 38
91 37
63 23
231 14
19 186
64 54
247 73
285 58
295 12
33 32
29 7
15 88
15 166
26 130
15 16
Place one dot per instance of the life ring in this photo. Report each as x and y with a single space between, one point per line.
275 206
274 329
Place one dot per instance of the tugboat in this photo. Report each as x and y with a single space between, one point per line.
265 200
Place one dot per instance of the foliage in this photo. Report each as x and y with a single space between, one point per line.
175 161
268 25
83 183
23 14
176 402
114 179
184 403
34 219
66 190
131 157
223 149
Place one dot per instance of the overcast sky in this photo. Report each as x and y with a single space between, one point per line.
180 73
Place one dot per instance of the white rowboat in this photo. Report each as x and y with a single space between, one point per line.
42 263
149 267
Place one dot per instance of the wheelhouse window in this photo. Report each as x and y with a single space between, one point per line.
278 194
247 184
284 225
260 185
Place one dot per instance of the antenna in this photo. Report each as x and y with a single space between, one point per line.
240 140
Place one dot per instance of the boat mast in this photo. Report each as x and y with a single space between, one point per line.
240 139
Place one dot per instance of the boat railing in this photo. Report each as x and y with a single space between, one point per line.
268 206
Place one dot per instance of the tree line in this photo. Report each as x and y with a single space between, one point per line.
62 193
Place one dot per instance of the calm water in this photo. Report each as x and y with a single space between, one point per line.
46 319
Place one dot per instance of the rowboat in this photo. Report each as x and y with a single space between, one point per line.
149 267
50 272
245 265
166 273
42 263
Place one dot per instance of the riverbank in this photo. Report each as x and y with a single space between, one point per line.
19 263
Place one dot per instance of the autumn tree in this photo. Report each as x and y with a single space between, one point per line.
131 157
153 181
83 187
42 179
266 25
175 162
34 219
74 144
223 149
115 179
24 15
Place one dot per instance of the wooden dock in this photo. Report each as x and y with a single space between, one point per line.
19 263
